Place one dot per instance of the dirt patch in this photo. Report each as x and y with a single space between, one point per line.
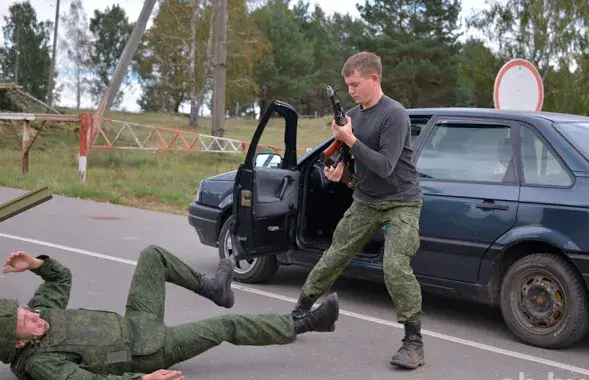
103 217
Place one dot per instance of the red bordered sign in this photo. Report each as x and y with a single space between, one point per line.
518 86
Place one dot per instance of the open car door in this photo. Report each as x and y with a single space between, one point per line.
266 190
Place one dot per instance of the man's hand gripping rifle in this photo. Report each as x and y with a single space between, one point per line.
338 151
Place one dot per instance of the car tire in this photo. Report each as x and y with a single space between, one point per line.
251 271
544 301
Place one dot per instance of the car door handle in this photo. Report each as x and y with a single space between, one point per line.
285 182
490 205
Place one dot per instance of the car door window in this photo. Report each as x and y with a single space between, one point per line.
468 152
418 123
271 146
540 165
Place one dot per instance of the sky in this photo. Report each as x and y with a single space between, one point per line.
46 11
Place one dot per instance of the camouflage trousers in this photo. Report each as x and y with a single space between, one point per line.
155 267
357 226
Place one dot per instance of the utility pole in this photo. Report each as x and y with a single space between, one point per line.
120 71
220 68
17 60
52 69
193 109
123 63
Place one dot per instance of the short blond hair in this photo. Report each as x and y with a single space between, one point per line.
365 62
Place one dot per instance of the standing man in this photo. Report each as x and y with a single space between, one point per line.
46 341
378 132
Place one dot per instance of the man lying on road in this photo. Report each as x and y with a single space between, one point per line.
46 341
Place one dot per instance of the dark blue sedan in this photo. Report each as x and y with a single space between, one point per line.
505 220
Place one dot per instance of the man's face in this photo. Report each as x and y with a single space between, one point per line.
30 325
362 88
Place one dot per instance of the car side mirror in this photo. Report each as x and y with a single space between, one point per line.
268 160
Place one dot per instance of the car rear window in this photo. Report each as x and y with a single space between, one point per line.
577 133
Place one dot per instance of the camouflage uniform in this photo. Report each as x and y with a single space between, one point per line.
358 225
127 347
387 193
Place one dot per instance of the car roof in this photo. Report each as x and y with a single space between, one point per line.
481 112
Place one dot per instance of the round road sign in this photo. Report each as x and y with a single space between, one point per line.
518 86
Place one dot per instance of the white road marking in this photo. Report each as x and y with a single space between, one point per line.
65 248
449 338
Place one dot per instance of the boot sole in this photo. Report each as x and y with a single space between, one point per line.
230 295
334 300
406 365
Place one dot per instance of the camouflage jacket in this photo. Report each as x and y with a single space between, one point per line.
51 299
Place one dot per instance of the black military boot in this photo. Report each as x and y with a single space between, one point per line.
410 355
303 307
321 319
218 288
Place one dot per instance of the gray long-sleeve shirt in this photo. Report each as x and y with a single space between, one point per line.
383 153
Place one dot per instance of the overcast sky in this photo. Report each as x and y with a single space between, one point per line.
46 11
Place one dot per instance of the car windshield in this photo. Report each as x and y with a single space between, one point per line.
577 134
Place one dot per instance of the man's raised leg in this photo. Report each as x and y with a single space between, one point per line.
188 340
156 266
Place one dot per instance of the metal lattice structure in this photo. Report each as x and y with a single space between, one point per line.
117 134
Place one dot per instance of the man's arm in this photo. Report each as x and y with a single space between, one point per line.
57 366
392 138
56 289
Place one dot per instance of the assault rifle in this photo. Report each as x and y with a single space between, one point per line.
338 151
24 203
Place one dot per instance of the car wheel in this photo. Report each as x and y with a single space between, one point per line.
544 302
256 270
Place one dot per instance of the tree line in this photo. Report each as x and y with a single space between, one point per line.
291 51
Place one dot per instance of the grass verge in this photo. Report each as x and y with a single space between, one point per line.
158 180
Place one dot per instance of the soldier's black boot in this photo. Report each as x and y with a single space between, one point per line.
410 355
303 307
321 319
218 288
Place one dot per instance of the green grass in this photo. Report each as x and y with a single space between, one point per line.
159 180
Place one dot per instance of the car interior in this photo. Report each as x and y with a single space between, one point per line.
324 205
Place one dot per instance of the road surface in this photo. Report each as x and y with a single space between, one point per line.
96 240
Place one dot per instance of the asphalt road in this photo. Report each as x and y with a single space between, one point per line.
462 340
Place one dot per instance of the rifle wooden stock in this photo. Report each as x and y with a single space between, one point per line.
24 203
332 149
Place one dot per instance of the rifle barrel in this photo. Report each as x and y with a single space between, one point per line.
24 203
